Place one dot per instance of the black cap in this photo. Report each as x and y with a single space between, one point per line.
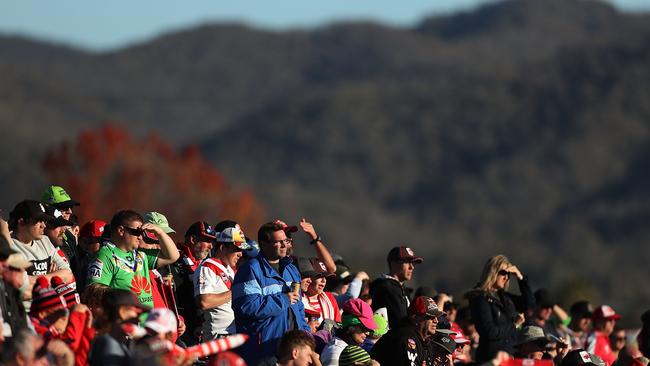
223 225
444 342
115 298
30 209
57 219
581 309
311 267
544 299
580 357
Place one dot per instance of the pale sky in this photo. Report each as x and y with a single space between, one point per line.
105 25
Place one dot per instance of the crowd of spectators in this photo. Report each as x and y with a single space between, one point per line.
131 291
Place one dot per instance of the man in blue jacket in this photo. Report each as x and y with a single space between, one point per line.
265 305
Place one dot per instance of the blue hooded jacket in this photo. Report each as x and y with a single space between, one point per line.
261 306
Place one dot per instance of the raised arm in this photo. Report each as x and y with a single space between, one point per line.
321 250
168 251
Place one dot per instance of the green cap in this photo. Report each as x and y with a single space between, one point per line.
382 325
58 197
158 219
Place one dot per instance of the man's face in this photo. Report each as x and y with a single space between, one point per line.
584 324
403 270
36 230
305 282
129 237
56 234
14 277
544 313
276 247
303 356
89 245
201 247
608 326
37 356
231 255
66 212
432 326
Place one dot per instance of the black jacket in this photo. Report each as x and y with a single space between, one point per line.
388 293
401 346
494 315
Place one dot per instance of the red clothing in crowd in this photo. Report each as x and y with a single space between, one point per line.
77 335
598 344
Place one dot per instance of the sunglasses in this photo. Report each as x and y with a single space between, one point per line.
134 231
503 272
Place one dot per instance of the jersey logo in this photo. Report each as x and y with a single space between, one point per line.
411 356
95 269
139 285
39 267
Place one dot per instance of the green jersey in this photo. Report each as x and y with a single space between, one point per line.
129 271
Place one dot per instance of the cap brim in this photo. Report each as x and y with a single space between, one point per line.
416 260
167 229
59 221
20 263
368 323
64 204
290 229
309 274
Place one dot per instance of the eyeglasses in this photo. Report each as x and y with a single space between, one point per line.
134 231
505 273
619 339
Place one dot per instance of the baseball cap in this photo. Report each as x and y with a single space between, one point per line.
605 312
531 333
201 228
161 321
92 229
57 219
17 260
357 311
403 254
116 298
581 309
444 341
382 325
287 229
30 209
58 197
305 267
353 355
544 299
222 225
233 235
158 219
579 357
458 336
424 305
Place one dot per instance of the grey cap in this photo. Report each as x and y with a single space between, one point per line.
530 333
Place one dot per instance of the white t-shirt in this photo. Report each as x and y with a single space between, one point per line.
213 277
45 258
332 352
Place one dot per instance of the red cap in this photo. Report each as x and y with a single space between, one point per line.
424 305
403 254
92 229
285 227
605 312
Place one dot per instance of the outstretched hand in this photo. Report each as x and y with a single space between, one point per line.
308 228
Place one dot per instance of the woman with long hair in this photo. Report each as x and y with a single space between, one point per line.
498 313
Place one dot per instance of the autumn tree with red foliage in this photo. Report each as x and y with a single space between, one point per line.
108 170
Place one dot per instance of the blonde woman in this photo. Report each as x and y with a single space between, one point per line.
497 313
